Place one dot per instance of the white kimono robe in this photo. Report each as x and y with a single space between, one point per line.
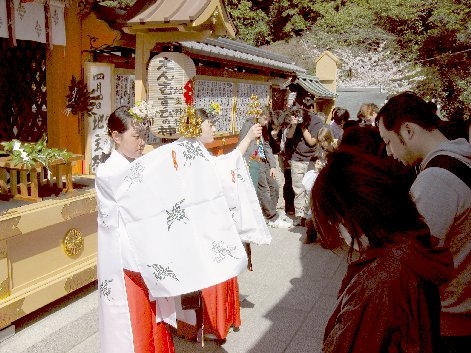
185 213
114 317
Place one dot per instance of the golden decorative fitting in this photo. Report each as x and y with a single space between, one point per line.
78 208
9 227
5 288
80 279
12 312
190 124
73 242
215 16
3 249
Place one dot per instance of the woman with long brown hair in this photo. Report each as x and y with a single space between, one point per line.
389 299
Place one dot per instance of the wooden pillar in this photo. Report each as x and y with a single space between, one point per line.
3 181
143 48
62 62
11 22
13 182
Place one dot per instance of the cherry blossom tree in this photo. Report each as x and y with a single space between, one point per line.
375 67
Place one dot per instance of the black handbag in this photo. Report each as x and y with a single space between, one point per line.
191 301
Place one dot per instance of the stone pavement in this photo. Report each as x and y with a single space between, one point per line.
289 297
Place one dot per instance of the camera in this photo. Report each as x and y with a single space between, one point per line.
297 111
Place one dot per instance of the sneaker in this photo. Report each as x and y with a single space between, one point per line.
280 223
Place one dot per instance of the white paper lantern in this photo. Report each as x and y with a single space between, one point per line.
168 74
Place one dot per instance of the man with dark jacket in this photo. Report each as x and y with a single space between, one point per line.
302 137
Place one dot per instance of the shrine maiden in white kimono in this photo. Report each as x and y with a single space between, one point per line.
182 214
114 255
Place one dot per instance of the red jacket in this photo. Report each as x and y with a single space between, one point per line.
389 300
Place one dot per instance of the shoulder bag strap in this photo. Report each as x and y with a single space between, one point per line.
453 165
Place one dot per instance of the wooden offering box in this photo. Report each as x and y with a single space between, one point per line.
47 250
23 183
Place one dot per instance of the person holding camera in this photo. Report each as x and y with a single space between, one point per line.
302 136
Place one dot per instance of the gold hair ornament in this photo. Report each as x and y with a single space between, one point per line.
189 123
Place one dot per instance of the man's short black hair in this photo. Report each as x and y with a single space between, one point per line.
407 107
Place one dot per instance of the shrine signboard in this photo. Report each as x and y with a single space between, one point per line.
233 96
244 92
217 91
99 77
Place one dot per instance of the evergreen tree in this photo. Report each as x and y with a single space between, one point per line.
428 42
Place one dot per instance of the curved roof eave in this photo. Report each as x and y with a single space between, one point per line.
231 50
193 13
314 86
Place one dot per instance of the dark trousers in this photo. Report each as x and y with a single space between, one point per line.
288 192
267 192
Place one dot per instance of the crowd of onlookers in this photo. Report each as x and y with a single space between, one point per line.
394 186
293 147
391 185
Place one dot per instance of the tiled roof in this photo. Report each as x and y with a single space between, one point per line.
314 86
181 12
232 50
163 11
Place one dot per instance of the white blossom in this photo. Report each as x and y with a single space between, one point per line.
17 146
144 110
378 68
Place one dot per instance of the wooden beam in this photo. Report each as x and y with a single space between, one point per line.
143 47
96 34
48 24
11 22
175 36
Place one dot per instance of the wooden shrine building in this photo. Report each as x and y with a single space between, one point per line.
64 67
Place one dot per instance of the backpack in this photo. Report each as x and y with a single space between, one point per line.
453 165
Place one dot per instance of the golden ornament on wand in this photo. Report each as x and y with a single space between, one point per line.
254 110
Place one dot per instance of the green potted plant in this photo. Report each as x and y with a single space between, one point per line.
30 153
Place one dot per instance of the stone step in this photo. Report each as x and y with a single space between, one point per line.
59 327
